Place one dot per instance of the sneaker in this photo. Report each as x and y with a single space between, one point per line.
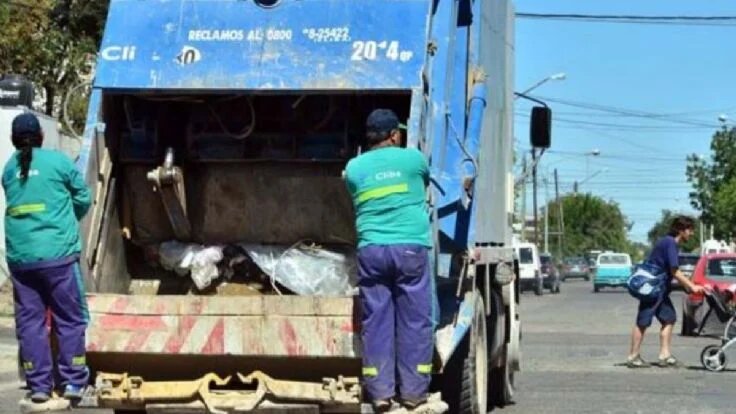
28 406
637 362
412 403
40 397
74 392
669 362
381 406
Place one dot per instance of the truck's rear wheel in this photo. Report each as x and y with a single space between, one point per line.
501 391
539 286
465 381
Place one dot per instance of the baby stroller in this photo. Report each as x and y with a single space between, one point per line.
713 357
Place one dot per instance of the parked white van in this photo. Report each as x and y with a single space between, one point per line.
530 272
715 246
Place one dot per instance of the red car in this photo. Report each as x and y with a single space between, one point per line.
712 270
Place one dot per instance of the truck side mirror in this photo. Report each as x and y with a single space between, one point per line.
540 129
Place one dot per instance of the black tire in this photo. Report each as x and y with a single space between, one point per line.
596 288
539 287
502 384
464 383
688 325
562 279
587 278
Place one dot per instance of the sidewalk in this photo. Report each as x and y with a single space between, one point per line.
6 300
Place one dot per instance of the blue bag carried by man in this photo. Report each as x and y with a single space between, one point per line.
647 283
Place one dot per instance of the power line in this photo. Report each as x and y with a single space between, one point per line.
623 127
630 112
723 21
670 114
628 156
625 17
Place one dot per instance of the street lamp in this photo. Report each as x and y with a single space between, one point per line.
595 153
723 119
588 178
556 76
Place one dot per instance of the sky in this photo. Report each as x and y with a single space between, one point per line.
683 72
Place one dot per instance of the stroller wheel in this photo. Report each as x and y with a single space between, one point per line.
713 359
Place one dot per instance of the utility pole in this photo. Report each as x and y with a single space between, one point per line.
560 220
534 196
523 198
702 233
546 227
545 181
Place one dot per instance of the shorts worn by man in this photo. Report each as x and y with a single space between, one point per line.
664 256
388 187
45 197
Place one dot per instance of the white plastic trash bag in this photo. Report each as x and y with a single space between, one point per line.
204 266
307 269
185 258
177 257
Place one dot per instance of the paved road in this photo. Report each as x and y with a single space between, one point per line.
572 343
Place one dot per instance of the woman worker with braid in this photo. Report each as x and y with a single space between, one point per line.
46 197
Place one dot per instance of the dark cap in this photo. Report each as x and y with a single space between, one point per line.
382 121
25 125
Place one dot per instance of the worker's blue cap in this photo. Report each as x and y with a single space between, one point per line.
383 121
25 125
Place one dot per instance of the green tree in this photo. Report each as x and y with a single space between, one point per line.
714 183
638 251
662 227
590 223
52 43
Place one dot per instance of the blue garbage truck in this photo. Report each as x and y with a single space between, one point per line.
215 142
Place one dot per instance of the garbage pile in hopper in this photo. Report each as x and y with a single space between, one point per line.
302 269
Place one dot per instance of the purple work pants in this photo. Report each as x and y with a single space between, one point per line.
56 285
396 300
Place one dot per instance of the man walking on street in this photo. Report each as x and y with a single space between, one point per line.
45 198
388 186
664 256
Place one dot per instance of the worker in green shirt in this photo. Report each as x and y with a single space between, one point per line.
45 197
388 187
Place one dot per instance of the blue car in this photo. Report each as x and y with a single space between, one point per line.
612 270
